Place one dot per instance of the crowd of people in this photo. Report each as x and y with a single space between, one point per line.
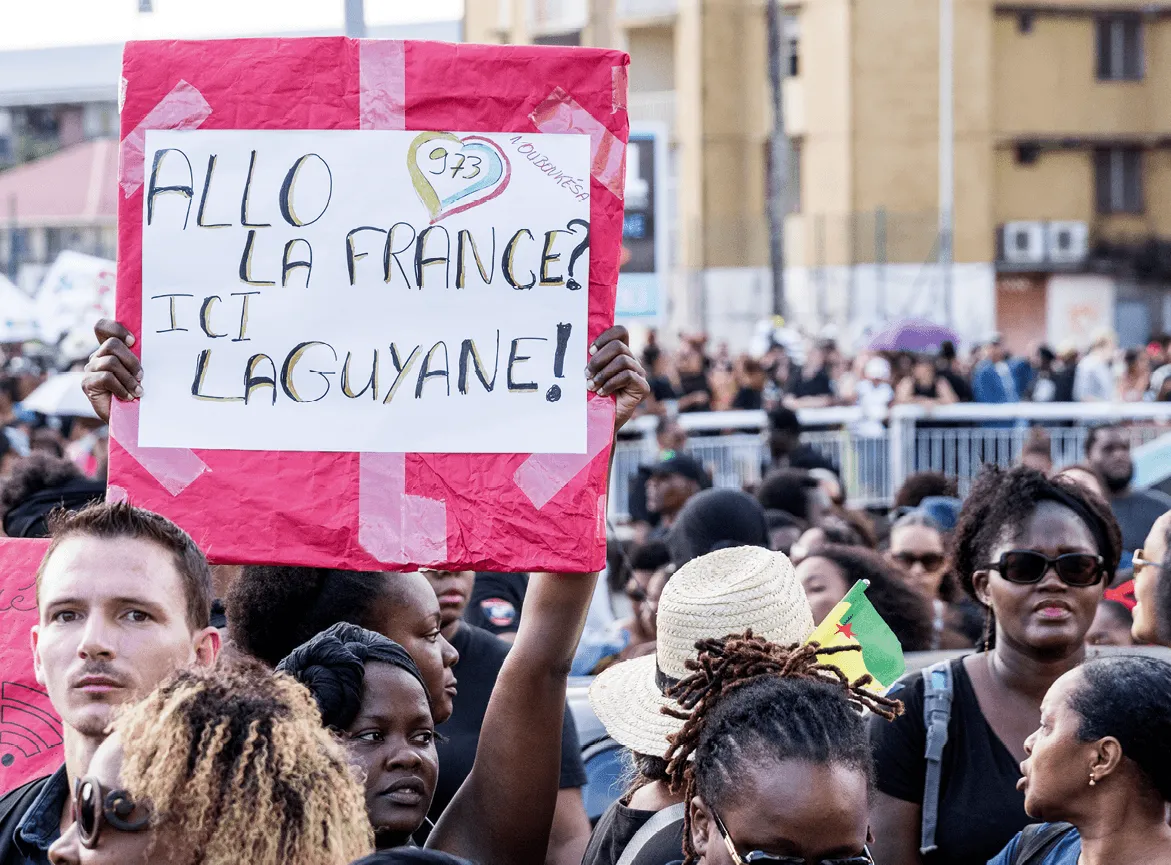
276 714
816 372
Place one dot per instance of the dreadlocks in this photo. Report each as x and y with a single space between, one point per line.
746 699
235 761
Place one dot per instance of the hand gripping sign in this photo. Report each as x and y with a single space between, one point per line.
364 276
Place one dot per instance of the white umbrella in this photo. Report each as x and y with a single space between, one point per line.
61 395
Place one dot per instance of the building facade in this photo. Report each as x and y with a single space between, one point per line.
698 68
1061 163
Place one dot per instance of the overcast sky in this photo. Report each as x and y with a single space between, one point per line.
42 23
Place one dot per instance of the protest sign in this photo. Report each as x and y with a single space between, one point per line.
75 293
363 277
363 291
30 731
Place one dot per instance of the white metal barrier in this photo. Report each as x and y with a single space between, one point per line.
957 440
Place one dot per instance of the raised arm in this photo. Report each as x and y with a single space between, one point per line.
113 370
503 812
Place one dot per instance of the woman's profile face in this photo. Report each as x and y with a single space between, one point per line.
392 740
113 846
1146 584
1056 770
409 614
1049 617
824 583
811 811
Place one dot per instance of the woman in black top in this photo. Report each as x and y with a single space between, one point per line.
1038 614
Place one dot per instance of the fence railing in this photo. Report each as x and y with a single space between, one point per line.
956 440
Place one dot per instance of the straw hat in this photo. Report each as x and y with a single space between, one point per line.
725 592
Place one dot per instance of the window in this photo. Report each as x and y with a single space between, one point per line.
1120 48
792 40
1118 180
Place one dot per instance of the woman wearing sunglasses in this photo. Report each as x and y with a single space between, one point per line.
773 759
918 548
1036 553
1152 587
1100 762
218 767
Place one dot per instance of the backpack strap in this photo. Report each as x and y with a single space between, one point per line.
937 694
1037 841
650 828
13 806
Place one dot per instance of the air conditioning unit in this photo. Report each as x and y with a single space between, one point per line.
1023 242
1067 242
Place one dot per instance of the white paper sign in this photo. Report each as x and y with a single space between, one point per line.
339 290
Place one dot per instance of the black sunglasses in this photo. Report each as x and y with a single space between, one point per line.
1028 566
756 857
95 808
929 561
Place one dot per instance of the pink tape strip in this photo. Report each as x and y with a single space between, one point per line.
382 79
394 526
183 108
115 493
621 82
561 113
174 468
542 476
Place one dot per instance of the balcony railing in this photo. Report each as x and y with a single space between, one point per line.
638 10
657 106
557 16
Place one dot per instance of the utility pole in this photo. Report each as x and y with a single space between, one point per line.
946 153
778 198
356 19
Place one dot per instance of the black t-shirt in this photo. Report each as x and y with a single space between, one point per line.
818 385
980 809
481 656
662 389
748 399
618 826
496 602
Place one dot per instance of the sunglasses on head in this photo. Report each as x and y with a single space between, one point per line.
756 857
929 561
95 808
1028 566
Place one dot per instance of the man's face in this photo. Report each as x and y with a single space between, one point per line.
1110 455
453 589
113 624
667 493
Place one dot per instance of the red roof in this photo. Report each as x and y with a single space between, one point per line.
72 187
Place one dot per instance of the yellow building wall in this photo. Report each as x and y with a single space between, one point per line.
1058 186
1046 80
652 59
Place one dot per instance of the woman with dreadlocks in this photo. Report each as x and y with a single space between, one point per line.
773 758
218 767
1036 553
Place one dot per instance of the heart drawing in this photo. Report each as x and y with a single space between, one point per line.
451 174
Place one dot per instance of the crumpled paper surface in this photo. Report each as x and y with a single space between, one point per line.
30 731
455 511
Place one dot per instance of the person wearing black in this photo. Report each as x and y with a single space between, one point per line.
495 603
814 386
1108 451
785 447
40 484
670 483
1036 553
750 381
481 657
946 364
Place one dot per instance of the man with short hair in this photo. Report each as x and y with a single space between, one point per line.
670 484
481 655
1108 451
124 597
